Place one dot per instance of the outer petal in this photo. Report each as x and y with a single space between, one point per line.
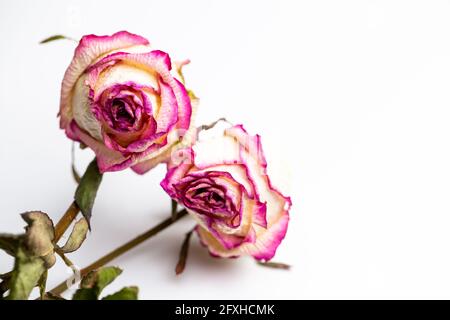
107 159
90 48
263 248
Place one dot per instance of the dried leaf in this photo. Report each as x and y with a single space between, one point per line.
26 274
183 254
42 284
275 265
77 236
9 243
49 260
127 293
212 125
4 284
39 233
192 95
87 190
51 296
54 38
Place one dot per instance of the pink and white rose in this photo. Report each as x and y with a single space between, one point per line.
120 98
223 184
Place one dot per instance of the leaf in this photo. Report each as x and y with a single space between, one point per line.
275 265
84 294
95 281
105 276
4 284
54 38
77 236
26 274
127 293
51 296
192 95
183 254
212 124
42 284
87 190
39 237
39 233
9 243
174 209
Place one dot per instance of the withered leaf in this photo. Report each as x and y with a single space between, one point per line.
183 254
9 243
39 233
25 276
274 265
77 236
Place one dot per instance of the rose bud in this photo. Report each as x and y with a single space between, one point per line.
119 98
223 184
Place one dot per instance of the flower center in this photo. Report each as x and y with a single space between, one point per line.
122 112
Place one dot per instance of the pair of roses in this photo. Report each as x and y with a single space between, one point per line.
128 103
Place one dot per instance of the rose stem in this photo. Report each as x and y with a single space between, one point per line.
65 221
121 250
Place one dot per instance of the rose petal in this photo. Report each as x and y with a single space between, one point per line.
90 48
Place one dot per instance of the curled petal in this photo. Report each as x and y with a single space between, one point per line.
90 48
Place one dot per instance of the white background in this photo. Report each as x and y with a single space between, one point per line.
351 98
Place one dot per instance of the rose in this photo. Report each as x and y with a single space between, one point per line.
119 98
223 184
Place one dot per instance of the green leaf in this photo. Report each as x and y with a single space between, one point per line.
95 281
9 243
26 274
54 38
77 236
105 276
85 294
87 190
127 293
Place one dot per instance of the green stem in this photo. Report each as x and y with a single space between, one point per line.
121 250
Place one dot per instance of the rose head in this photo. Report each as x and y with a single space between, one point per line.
120 98
223 184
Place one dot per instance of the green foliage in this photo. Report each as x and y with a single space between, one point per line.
54 38
87 189
127 293
94 282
